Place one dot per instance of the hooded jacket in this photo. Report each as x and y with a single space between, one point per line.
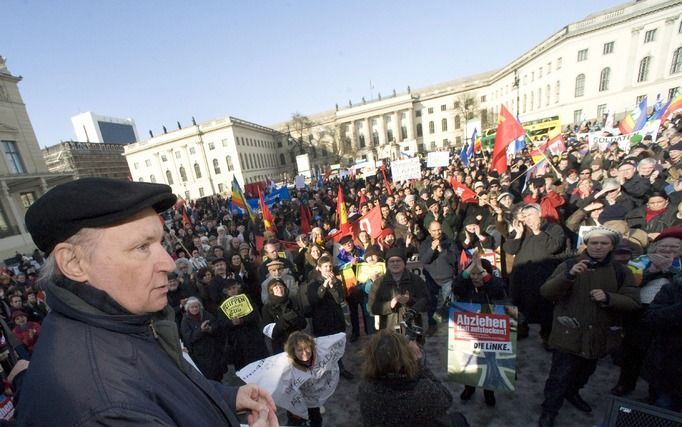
97 364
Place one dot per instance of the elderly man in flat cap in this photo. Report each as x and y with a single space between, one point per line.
110 353
590 293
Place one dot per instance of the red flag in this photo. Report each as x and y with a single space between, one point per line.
508 129
185 217
388 187
466 194
305 220
555 146
370 222
268 218
463 260
341 212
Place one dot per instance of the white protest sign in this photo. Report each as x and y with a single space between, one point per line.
300 182
438 159
294 389
404 170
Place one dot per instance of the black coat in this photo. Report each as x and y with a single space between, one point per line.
325 303
287 319
245 341
491 292
663 319
100 367
204 347
441 265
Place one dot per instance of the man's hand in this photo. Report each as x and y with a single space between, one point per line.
404 298
266 418
579 267
205 326
435 245
254 399
518 228
660 262
593 206
598 295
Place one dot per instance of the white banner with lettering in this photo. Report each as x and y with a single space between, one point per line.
403 170
437 159
294 389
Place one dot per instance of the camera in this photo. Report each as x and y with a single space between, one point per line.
412 331
592 265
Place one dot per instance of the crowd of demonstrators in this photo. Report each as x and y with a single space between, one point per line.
572 282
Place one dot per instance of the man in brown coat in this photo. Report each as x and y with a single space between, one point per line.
589 292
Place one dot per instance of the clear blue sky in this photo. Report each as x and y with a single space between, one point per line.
162 61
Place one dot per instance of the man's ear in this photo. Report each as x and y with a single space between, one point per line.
69 259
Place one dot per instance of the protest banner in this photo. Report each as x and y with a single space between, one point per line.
296 390
271 198
299 182
437 159
404 170
348 277
482 345
365 271
600 142
236 306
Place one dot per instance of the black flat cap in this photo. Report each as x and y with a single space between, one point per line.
91 202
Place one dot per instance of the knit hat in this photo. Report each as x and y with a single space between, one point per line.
18 313
410 198
674 232
602 231
396 252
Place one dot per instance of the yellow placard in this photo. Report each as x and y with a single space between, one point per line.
365 270
236 306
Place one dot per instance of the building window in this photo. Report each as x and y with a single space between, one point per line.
650 36
225 142
419 130
557 91
164 158
558 63
532 100
183 174
389 135
548 89
532 76
643 74
375 137
608 48
672 92
228 160
639 99
540 73
679 30
197 170
221 187
216 167
169 177
403 132
417 113
483 98
201 191
292 157
361 139
152 179
282 159
136 165
211 146
192 150
444 125
27 198
4 225
178 154
582 55
458 141
676 65
432 127
148 163
524 102
458 122
430 110
433 145
577 116
604 79
580 85
539 97
601 112
140 179
443 107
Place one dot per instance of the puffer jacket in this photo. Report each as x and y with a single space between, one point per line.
95 364
582 326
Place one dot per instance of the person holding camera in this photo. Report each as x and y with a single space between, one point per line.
397 291
397 388
589 292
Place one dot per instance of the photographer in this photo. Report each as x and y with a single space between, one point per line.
397 388
588 292
396 291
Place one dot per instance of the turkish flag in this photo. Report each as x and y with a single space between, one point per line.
508 130
465 193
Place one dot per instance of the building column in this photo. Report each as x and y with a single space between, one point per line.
396 127
352 136
368 136
410 124
18 218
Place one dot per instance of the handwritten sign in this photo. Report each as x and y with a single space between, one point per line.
437 159
236 306
407 169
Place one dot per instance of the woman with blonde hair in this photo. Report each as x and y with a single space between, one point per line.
397 388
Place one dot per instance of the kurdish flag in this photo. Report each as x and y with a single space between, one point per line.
239 200
635 120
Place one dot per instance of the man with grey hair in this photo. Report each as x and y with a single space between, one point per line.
110 353
589 293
